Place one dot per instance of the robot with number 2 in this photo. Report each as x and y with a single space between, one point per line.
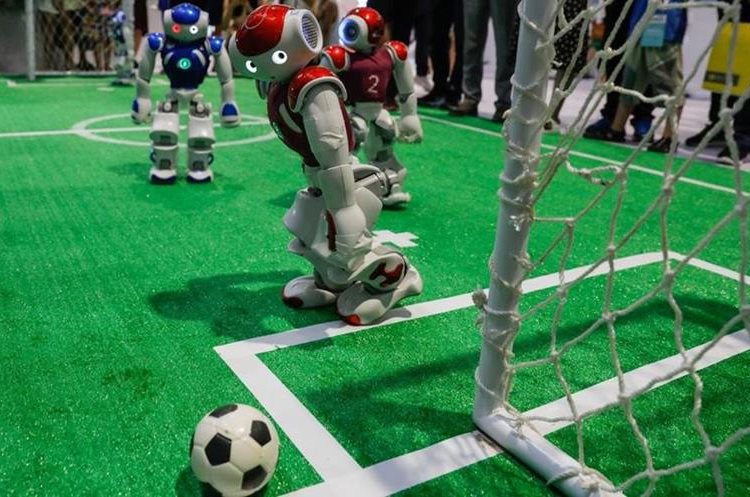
186 51
332 218
366 66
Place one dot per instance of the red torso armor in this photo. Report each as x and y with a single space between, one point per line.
368 75
289 124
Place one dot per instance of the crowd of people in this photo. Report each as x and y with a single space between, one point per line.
450 38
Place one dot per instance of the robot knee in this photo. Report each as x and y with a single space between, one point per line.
165 129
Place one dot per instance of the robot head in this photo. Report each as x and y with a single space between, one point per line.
362 29
275 42
185 22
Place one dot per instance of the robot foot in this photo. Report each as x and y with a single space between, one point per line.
359 305
396 197
162 176
303 292
200 176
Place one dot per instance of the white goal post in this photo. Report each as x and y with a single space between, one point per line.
522 183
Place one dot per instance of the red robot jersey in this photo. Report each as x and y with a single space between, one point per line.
368 75
289 124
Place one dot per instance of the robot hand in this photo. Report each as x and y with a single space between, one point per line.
141 110
410 129
230 115
352 241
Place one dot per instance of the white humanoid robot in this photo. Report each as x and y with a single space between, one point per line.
331 219
366 66
185 50
121 33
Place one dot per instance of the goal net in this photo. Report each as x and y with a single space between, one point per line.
579 343
83 37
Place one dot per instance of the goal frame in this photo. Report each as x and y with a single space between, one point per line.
511 240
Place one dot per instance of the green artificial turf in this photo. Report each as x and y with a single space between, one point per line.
113 293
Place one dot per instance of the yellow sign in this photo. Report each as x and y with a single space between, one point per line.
718 62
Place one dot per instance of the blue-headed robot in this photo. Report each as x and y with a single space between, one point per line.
121 33
186 51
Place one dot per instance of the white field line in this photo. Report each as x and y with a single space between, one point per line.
300 336
72 84
314 441
75 131
635 167
403 472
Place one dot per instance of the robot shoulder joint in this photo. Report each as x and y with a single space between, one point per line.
338 56
398 50
215 44
307 79
156 41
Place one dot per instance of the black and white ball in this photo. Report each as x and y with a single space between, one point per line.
234 450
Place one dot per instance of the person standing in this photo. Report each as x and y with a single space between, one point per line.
502 13
446 15
741 118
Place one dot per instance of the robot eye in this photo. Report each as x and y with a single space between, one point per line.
176 28
349 31
279 57
193 29
250 66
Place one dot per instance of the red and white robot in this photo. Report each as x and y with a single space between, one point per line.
332 218
366 66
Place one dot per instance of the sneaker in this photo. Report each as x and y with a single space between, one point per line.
465 107
717 141
662 146
602 124
552 125
725 157
499 115
641 127
435 99
424 82
606 134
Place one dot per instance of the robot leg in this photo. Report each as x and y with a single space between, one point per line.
359 127
383 280
164 134
379 151
200 142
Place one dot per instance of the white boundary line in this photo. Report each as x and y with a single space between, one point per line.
318 446
397 474
635 167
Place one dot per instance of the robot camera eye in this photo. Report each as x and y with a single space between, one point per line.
349 31
279 57
193 29
176 28
250 66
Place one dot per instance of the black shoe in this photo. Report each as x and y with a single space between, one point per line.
717 141
499 115
435 99
725 157
606 134
465 107
662 145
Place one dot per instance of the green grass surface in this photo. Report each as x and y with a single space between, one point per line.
113 293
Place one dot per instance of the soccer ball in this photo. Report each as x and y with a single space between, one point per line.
234 450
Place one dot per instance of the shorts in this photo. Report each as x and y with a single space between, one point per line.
658 67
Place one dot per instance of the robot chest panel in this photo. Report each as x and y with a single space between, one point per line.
368 76
289 125
185 66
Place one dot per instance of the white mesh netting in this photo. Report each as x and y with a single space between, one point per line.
507 367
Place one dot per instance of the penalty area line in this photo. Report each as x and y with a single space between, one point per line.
324 453
403 472
635 167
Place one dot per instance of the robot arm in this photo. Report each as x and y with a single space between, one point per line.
230 113
335 58
141 110
409 125
328 137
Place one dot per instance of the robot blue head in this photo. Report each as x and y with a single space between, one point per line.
185 22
